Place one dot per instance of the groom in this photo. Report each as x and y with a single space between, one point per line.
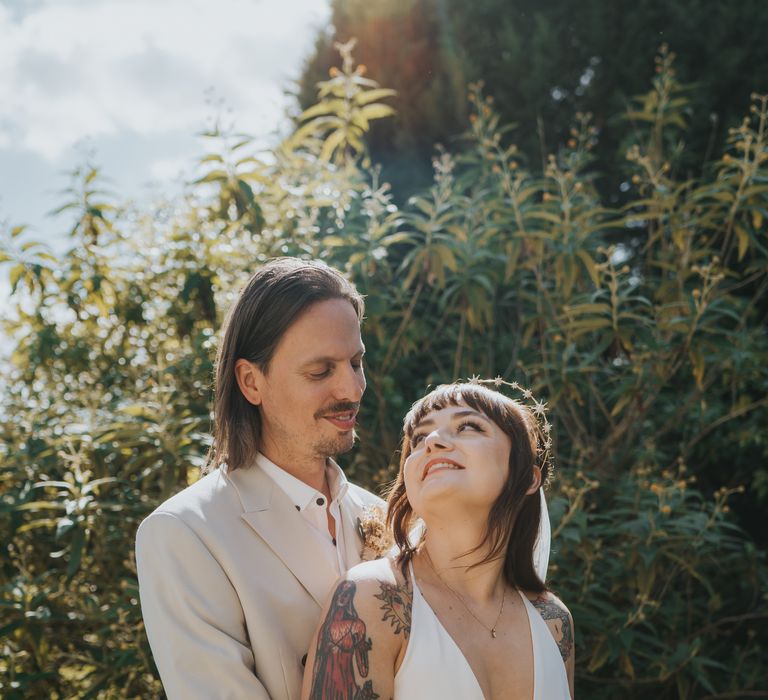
233 570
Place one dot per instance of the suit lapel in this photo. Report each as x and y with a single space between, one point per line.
275 519
351 509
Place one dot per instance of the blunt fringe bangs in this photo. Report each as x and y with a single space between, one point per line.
272 300
513 522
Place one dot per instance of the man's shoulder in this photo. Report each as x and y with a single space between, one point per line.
208 497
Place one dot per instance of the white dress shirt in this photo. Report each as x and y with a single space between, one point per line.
313 507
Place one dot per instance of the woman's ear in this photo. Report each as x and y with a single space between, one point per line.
249 379
535 481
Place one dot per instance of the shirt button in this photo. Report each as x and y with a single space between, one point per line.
320 501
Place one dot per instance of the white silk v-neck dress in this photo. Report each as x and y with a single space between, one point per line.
435 669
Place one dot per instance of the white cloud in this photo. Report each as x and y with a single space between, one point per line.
76 68
167 169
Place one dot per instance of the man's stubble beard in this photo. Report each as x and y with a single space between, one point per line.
325 447
332 447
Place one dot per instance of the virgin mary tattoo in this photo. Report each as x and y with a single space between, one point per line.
342 644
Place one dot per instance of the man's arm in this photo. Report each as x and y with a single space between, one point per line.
192 615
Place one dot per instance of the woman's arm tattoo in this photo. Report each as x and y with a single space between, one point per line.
341 645
397 602
550 610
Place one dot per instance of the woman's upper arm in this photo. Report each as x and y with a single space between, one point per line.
363 626
560 624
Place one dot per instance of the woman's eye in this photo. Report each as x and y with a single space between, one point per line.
469 424
416 439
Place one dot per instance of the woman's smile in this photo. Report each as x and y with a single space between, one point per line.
439 464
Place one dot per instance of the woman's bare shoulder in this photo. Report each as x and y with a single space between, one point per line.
385 569
383 594
546 600
558 618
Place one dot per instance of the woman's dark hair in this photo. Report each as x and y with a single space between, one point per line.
513 522
274 298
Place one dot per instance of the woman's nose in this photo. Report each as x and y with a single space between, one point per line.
436 441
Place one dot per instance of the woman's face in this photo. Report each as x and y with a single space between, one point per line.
458 457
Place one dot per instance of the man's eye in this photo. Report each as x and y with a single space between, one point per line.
320 375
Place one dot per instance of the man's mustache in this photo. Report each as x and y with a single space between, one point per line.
341 407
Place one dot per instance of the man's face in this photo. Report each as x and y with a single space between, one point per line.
311 392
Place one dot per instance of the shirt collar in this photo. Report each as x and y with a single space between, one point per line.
301 494
337 480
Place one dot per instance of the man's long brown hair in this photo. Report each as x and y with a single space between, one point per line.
275 296
513 522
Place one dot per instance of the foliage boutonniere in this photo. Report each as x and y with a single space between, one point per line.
377 540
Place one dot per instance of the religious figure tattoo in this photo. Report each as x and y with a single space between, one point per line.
342 644
550 610
397 602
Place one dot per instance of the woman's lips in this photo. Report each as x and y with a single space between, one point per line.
435 465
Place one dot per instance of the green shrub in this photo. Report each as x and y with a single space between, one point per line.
641 326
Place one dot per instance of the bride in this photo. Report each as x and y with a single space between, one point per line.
462 613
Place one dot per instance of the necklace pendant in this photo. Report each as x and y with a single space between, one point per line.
493 633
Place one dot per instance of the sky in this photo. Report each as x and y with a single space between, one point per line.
130 83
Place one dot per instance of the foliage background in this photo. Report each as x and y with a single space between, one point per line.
640 320
543 62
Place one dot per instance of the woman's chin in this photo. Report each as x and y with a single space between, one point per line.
446 498
442 481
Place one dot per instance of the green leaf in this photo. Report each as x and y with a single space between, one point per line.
621 403
331 144
590 265
583 309
63 526
75 552
213 176
15 275
323 108
447 257
364 98
377 111
742 240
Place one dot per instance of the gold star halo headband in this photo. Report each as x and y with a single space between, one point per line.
539 411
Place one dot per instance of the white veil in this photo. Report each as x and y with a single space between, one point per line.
543 541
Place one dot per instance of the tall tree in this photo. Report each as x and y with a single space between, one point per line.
543 62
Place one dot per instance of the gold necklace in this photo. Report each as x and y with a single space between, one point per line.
491 630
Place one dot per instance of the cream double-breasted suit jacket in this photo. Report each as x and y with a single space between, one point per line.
232 587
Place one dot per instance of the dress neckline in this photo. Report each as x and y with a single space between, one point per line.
526 603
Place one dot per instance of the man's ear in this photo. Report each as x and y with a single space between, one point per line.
535 481
249 379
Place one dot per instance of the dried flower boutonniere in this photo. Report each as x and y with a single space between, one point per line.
377 540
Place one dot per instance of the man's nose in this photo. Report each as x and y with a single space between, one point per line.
350 383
